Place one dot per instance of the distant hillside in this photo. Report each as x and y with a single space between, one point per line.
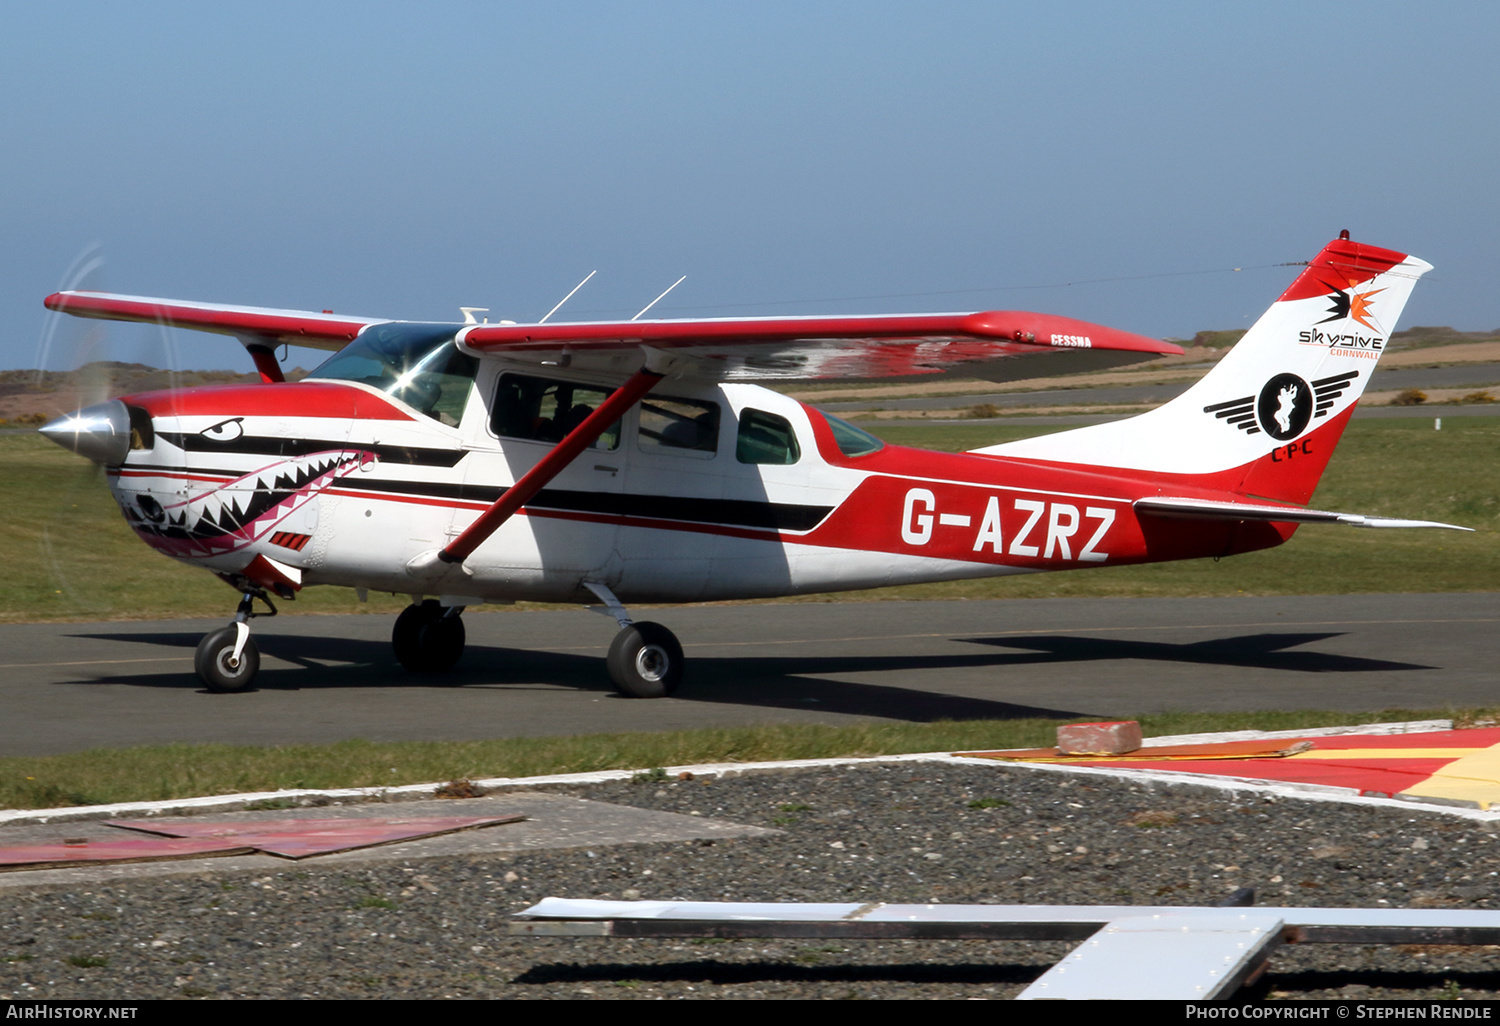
26 395
1420 338
1216 339
1411 338
133 377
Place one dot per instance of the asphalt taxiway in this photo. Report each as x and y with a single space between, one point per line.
72 686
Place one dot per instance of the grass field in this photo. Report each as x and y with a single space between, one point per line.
183 771
69 555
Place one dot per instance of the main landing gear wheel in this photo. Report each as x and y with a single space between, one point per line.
428 638
217 664
645 661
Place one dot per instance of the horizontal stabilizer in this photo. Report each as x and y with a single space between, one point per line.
1209 509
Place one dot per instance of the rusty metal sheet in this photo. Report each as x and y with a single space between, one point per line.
300 838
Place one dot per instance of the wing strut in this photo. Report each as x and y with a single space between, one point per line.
265 361
550 465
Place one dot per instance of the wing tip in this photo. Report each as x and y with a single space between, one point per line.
1055 332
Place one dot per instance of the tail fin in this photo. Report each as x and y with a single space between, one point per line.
1265 420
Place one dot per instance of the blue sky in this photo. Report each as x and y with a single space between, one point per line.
403 160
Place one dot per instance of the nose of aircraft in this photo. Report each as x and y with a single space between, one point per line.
100 432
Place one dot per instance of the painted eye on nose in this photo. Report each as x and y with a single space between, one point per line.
224 430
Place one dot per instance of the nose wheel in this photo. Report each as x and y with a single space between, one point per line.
228 659
223 662
429 638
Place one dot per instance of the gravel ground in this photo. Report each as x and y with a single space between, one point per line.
905 832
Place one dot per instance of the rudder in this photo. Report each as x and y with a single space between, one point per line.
1265 420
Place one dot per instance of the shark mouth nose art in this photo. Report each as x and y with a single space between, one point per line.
229 516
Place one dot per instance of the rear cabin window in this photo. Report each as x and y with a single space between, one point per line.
685 427
766 438
544 410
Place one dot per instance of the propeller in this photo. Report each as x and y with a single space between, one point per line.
78 375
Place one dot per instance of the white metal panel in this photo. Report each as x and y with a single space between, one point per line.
588 908
1173 958
876 912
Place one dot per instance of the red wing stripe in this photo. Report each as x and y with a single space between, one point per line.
282 325
998 325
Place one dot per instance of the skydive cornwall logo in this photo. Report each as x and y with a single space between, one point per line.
1353 306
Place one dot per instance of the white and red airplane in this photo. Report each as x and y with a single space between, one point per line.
633 462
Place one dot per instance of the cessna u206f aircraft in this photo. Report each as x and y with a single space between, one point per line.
634 461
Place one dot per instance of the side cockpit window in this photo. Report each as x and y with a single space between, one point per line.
544 410
418 364
687 427
852 441
766 438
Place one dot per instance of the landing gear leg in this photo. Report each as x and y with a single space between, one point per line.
429 638
645 659
228 659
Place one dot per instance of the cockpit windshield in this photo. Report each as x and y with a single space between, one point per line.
418 364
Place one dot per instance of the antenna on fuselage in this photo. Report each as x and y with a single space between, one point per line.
659 298
569 296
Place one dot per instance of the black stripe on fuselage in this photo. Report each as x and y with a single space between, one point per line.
281 448
776 516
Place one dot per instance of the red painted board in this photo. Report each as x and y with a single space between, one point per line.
123 849
300 838
1481 737
1384 779
1369 772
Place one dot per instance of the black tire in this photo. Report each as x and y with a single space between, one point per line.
645 661
212 661
426 640
406 635
442 643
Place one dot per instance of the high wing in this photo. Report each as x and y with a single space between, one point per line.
295 327
820 348
726 349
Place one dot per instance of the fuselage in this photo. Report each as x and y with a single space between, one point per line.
702 492
635 461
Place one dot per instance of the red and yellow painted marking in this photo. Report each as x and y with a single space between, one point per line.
1453 765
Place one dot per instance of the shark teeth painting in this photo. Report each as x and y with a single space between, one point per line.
225 516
